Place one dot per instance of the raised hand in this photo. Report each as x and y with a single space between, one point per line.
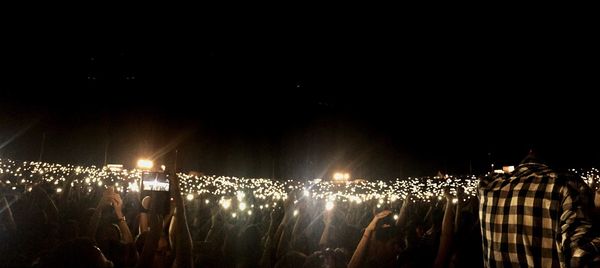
382 215
146 202
117 204
376 219
328 217
447 193
288 204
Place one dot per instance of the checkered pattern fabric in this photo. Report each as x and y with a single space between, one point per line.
534 217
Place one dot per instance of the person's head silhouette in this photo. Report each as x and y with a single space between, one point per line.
532 157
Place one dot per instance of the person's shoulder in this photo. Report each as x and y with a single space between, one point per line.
522 171
541 171
573 180
563 178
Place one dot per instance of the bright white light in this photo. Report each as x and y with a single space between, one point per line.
295 212
306 193
226 203
508 169
99 183
242 206
206 201
59 190
111 167
329 205
134 187
145 164
234 214
240 195
249 212
190 197
395 217
455 200
341 176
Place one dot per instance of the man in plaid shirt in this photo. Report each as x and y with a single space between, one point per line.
536 217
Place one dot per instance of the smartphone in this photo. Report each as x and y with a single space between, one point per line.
155 182
388 220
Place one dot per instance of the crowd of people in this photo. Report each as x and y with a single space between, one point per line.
99 225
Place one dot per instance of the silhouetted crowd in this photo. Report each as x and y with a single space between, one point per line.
98 226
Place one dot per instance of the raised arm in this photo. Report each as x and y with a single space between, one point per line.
45 203
328 231
183 238
118 206
460 195
95 219
267 254
358 258
281 236
402 216
151 243
143 224
447 233
7 216
302 221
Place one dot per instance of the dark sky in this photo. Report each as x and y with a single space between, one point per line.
245 97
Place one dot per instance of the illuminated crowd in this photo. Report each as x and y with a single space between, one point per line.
223 212
22 175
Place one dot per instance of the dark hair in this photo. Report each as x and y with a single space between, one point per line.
437 214
316 260
385 233
532 157
389 220
246 245
291 259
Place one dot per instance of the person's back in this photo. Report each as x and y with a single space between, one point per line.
534 217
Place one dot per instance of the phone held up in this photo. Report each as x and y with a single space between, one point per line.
157 185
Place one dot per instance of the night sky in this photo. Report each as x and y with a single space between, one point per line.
262 99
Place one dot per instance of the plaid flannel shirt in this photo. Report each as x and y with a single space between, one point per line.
535 217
